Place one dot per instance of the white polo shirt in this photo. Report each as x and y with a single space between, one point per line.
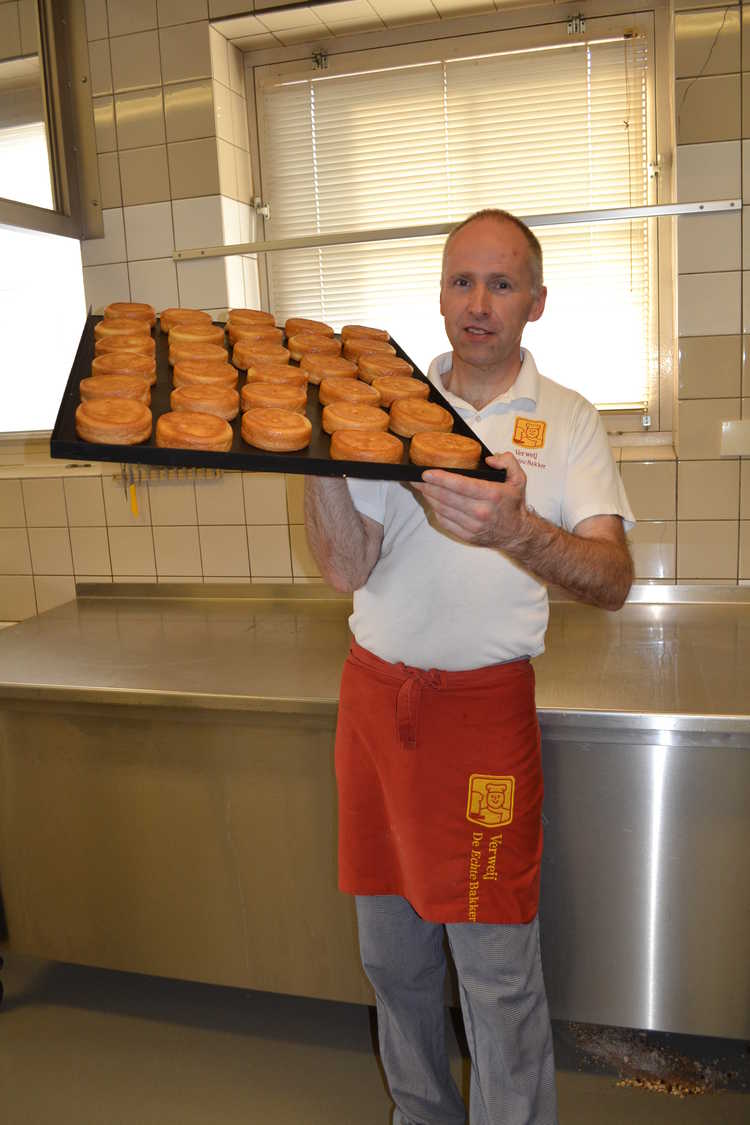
433 601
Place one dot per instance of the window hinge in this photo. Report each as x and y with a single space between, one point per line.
577 24
654 168
262 208
320 60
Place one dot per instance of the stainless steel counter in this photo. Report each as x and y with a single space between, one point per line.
166 788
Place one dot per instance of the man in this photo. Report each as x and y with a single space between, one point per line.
437 752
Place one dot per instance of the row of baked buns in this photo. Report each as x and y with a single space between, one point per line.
364 392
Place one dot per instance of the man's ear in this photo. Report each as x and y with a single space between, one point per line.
538 307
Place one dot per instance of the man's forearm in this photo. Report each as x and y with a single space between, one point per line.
596 570
344 544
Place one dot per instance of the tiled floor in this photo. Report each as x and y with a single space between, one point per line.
92 1047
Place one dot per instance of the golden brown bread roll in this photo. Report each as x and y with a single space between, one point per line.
306 343
319 367
353 416
280 396
356 346
250 316
253 355
254 333
412 415
113 421
135 310
193 373
209 353
392 387
297 324
144 345
121 326
279 431
445 451
365 445
277 373
125 363
372 365
180 429
169 317
340 389
115 386
195 334
350 331
207 398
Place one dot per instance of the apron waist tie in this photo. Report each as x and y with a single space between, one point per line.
409 698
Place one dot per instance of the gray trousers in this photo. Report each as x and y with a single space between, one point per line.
504 1010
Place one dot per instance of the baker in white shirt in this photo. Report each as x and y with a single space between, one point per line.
437 752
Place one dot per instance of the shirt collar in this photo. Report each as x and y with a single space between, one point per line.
522 394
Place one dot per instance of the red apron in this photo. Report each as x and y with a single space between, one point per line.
440 788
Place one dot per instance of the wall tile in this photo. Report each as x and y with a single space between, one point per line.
44 501
177 549
15 557
227 168
651 489
90 547
252 282
193 168
221 501
219 48
303 563
265 498
139 117
50 550
708 109
135 61
745 104
144 175
745 489
709 171
180 11
746 301
230 220
155 282
148 231
745 549
709 366
103 284
708 490
17 597
236 70
709 304
652 546
110 248
29 26
96 19
185 52
172 503
198 222
202 284
189 109
746 171
223 112
100 68
224 552
109 180
128 16
707 42
269 552
12 512
295 494
709 242
235 283
132 552
104 123
117 503
53 590
240 127
244 174
707 549
745 367
84 502
10 31
699 427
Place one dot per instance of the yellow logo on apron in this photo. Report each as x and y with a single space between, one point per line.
529 432
490 799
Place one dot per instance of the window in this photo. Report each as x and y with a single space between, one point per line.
532 121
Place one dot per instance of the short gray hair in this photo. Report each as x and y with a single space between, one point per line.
535 249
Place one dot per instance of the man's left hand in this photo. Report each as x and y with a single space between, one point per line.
487 513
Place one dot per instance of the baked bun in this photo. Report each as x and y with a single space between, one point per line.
366 445
120 326
347 390
169 317
392 387
194 373
183 430
113 421
125 363
141 343
280 431
445 451
131 310
250 316
413 415
258 333
254 355
208 353
319 367
356 346
207 399
305 343
115 386
297 324
195 334
350 331
372 365
279 396
277 373
353 416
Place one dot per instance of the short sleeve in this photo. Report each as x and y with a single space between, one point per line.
593 484
368 497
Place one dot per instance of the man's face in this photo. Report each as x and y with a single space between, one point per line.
486 295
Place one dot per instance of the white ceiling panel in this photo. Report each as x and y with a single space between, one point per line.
293 18
394 12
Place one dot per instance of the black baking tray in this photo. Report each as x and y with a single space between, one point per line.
315 460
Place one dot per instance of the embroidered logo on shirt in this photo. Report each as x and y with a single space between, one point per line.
529 432
490 799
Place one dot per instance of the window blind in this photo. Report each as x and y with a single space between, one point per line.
535 131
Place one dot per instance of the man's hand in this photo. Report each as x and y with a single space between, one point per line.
487 513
